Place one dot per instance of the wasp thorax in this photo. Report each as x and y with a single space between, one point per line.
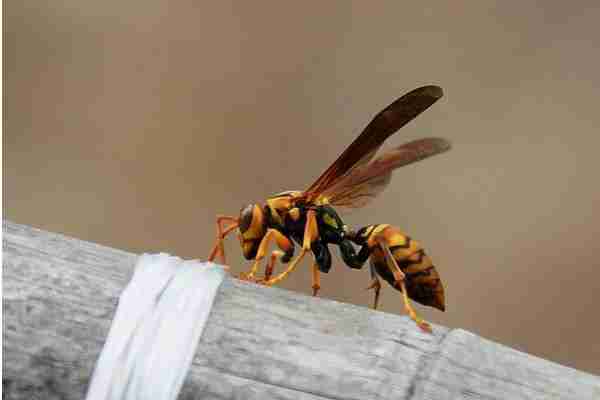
252 229
294 213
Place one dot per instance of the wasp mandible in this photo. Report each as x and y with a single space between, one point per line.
309 217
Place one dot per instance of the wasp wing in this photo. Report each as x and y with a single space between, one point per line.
367 181
364 147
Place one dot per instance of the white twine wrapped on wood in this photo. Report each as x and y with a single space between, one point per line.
155 331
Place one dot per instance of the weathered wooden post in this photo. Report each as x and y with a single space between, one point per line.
60 293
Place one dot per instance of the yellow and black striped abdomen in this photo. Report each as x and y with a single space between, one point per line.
423 282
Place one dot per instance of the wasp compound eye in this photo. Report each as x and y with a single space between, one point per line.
246 217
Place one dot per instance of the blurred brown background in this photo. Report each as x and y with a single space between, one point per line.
133 123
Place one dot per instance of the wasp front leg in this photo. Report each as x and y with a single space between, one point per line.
275 255
222 232
283 242
311 233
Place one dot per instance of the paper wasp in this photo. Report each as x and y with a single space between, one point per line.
310 218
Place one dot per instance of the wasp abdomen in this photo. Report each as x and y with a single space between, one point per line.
423 283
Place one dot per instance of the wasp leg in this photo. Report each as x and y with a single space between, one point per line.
289 270
221 233
322 255
399 277
311 233
282 241
316 278
376 286
322 263
275 254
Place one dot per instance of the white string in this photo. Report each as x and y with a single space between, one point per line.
155 331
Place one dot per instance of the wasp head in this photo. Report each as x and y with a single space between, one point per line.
252 229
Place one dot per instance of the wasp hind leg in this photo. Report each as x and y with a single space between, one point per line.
222 232
400 282
375 285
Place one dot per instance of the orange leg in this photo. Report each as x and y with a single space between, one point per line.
376 286
285 273
391 261
316 278
311 233
400 281
218 248
282 241
275 254
221 233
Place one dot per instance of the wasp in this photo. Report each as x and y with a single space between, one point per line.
310 217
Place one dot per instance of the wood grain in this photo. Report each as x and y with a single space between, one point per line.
60 295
